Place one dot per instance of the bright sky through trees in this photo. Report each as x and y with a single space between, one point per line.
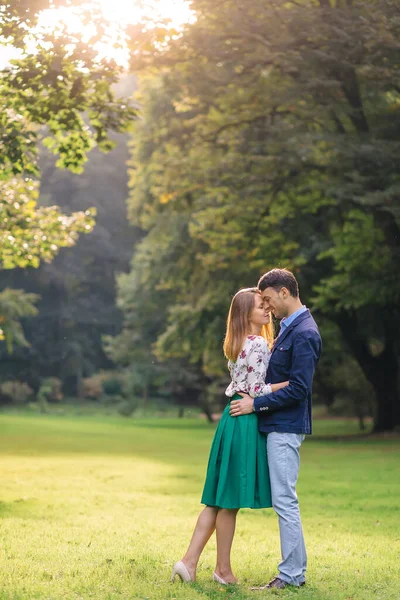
118 14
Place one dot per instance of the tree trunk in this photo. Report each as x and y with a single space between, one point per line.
382 372
348 80
327 392
385 379
207 411
146 394
387 418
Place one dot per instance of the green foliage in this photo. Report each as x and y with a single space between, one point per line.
61 93
29 234
15 305
109 387
127 407
269 137
53 87
144 302
112 389
77 289
51 387
50 391
112 386
363 268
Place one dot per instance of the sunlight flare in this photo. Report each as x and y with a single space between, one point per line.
83 21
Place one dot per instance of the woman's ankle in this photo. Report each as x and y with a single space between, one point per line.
225 572
190 565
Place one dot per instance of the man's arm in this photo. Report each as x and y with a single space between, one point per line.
306 351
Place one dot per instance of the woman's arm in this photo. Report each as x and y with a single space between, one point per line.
257 362
278 386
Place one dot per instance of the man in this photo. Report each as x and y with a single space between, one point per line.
285 415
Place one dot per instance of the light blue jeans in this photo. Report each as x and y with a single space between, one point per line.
283 451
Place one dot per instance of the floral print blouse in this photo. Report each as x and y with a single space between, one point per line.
250 368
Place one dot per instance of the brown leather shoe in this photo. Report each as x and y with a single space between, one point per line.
276 583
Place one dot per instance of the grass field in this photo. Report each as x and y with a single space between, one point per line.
102 507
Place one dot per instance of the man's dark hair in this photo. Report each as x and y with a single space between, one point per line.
277 279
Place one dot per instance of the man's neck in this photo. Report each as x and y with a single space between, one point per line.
297 304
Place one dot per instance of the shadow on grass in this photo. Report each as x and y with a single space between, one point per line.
21 508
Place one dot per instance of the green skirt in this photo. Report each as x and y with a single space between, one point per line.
237 472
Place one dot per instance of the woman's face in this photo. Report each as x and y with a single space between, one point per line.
260 315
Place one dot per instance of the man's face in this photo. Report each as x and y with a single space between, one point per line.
275 301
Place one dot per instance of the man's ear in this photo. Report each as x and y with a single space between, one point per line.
285 293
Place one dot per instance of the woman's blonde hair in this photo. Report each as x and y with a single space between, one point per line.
238 323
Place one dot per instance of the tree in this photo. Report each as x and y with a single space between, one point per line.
29 234
54 86
270 141
144 303
59 94
14 305
77 289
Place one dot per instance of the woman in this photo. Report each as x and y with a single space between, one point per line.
237 473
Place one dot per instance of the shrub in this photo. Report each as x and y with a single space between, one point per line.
49 391
113 386
92 387
52 388
127 407
16 392
112 400
110 383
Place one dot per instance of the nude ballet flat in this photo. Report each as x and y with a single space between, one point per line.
182 572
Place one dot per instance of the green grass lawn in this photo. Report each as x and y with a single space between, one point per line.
102 507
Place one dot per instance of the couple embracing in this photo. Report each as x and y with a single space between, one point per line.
255 454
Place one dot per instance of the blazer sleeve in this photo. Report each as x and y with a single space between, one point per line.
305 355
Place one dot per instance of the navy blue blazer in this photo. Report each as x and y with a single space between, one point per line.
294 357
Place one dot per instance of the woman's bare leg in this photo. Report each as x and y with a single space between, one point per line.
204 529
225 526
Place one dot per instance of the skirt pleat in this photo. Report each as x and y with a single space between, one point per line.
237 472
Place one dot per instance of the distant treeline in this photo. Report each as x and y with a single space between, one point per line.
269 135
